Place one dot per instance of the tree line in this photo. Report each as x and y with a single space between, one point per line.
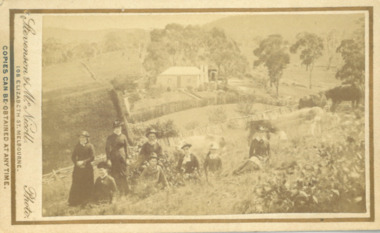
273 53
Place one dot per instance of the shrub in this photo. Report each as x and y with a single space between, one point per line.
155 92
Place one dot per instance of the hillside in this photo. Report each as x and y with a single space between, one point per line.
103 68
69 36
327 175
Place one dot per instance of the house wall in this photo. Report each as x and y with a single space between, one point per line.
166 81
190 80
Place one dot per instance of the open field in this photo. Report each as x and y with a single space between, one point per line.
94 71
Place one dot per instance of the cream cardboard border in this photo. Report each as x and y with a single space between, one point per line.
220 225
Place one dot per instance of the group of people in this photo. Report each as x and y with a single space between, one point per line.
113 172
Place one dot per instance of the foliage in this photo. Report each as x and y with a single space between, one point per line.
331 43
165 129
312 47
65 117
272 52
352 52
354 62
112 42
124 83
176 45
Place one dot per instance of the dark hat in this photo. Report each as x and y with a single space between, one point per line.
153 156
84 134
103 164
117 124
151 131
186 145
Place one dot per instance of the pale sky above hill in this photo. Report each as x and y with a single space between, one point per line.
150 21
146 21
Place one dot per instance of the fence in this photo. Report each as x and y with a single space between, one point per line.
222 98
164 109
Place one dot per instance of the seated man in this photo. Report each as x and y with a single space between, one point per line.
105 186
153 174
150 146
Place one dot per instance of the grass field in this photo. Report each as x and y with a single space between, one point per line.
319 184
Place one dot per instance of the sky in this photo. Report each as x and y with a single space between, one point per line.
156 20
143 21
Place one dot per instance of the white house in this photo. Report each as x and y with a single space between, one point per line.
182 77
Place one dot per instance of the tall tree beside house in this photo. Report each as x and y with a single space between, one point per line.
352 52
176 45
273 54
312 47
331 43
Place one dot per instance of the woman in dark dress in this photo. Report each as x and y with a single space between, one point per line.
117 156
83 174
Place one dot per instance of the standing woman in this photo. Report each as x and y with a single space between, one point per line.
117 155
83 174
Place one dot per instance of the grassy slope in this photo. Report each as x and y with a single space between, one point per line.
228 194
104 67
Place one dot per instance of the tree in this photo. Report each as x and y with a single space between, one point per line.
352 53
272 52
312 47
112 42
176 45
352 71
331 43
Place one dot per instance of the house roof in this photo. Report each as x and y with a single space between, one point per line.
181 70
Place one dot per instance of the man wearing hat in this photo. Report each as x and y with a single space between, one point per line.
149 147
105 186
116 151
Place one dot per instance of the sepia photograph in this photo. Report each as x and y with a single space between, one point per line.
204 114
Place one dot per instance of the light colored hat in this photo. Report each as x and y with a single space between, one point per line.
214 146
153 156
151 131
85 134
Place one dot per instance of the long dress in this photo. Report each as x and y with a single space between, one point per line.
83 176
116 151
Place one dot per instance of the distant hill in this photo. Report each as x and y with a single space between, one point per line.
253 26
69 36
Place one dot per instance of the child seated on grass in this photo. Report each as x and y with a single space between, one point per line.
105 186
